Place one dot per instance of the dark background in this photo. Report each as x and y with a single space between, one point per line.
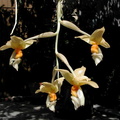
39 59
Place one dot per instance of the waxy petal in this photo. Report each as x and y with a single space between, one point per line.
58 83
47 87
14 62
50 105
6 46
85 38
97 57
91 83
81 96
28 43
53 74
96 36
78 101
67 75
17 42
82 78
80 71
104 44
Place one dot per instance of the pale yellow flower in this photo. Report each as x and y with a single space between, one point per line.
77 80
96 39
18 44
51 89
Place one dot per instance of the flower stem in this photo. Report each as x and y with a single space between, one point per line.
59 14
15 18
56 46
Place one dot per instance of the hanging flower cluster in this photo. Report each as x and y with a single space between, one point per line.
76 77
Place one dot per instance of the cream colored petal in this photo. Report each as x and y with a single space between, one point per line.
50 105
28 43
67 75
53 74
104 43
14 62
85 38
6 46
82 78
80 71
12 58
81 96
96 36
42 89
37 91
17 42
91 83
78 101
47 87
97 57
58 83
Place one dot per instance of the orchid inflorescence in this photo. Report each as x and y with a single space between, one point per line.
75 77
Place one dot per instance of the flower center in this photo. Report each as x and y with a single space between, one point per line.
19 53
52 96
74 90
94 48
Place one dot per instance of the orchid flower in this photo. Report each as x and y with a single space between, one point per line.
77 80
18 44
96 39
51 89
